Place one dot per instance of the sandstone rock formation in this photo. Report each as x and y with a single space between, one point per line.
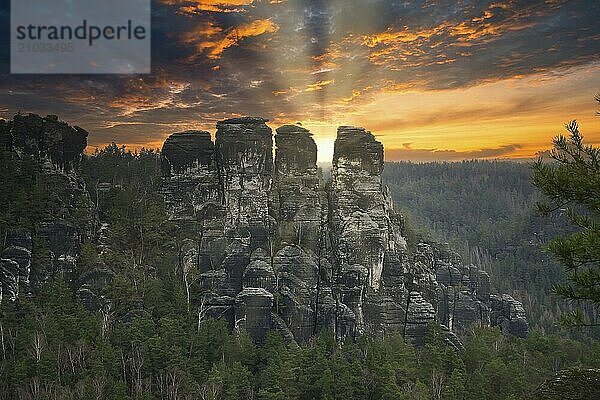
276 247
17 249
188 159
268 243
52 142
55 148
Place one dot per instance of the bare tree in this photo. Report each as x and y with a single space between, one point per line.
99 385
189 265
174 380
35 387
107 315
77 353
2 341
210 391
437 383
136 362
202 310
38 344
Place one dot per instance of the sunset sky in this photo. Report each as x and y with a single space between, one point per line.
433 80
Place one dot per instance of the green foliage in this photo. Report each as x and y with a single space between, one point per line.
29 196
52 342
148 346
116 165
486 211
18 188
570 184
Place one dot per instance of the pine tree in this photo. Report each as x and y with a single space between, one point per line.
571 184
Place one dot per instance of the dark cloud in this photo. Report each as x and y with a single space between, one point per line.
308 59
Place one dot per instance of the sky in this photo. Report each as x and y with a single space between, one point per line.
433 80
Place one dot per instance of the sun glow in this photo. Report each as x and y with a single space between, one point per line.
324 149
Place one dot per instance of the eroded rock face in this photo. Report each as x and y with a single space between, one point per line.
420 314
53 142
9 277
253 312
57 149
299 207
464 299
509 315
297 194
244 150
276 247
18 246
269 244
297 279
188 159
219 194
360 216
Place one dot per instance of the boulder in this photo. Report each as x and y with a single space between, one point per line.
570 384
509 315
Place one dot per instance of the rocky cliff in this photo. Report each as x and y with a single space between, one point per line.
48 152
267 243
272 246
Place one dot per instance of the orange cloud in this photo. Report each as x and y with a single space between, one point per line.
484 25
477 29
205 29
318 86
392 86
198 6
355 94
279 92
413 47
403 36
142 95
214 41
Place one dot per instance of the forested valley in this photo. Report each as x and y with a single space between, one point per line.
52 348
487 211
